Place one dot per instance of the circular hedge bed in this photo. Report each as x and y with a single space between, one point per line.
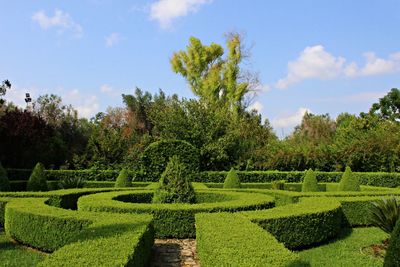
174 220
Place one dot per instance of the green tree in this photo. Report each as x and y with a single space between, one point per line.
37 180
5 85
388 107
211 77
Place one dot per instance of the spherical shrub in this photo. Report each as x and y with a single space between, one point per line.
123 179
4 183
232 179
37 180
310 183
156 156
349 182
175 187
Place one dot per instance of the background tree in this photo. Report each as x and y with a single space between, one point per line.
388 107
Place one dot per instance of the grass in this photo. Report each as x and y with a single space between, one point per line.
12 254
346 250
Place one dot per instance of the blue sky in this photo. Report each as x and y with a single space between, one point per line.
322 56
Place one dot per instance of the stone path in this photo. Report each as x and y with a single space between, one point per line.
174 253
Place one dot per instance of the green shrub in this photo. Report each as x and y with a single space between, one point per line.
80 238
392 258
174 184
385 213
123 179
349 182
156 156
278 185
310 183
232 179
4 183
225 239
37 180
173 220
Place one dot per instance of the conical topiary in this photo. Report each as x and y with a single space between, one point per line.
232 179
4 183
310 183
349 182
37 180
123 179
174 184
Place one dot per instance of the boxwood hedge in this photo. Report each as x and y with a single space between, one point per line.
80 238
173 220
225 239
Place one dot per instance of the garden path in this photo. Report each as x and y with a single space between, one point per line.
174 253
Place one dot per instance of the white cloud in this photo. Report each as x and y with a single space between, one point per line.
290 120
87 105
105 88
165 11
16 95
113 39
316 63
256 106
60 20
313 62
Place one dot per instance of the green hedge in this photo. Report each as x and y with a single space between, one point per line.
174 220
156 156
392 258
310 221
80 238
365 178
226 239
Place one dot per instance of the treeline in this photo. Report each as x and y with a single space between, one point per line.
217 123
51 133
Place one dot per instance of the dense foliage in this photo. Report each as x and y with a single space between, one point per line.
385 213
37 180
123 179
349 182
232 180
175 186
310 183
392 258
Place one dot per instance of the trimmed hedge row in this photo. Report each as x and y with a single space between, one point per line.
226 239
310 221
382 179
80 238
174 220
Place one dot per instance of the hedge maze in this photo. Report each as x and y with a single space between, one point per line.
250 226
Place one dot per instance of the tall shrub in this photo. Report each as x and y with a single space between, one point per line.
37 180
310 183
123 179
156 156
175 186
349 182
232 179
4 183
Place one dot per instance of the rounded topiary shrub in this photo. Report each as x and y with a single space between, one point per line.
156 156
349 182
175 186
232 179
310 183
37 180
392 258
123 179
4 183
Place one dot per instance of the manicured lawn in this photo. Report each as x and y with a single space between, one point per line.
15 255
346 250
